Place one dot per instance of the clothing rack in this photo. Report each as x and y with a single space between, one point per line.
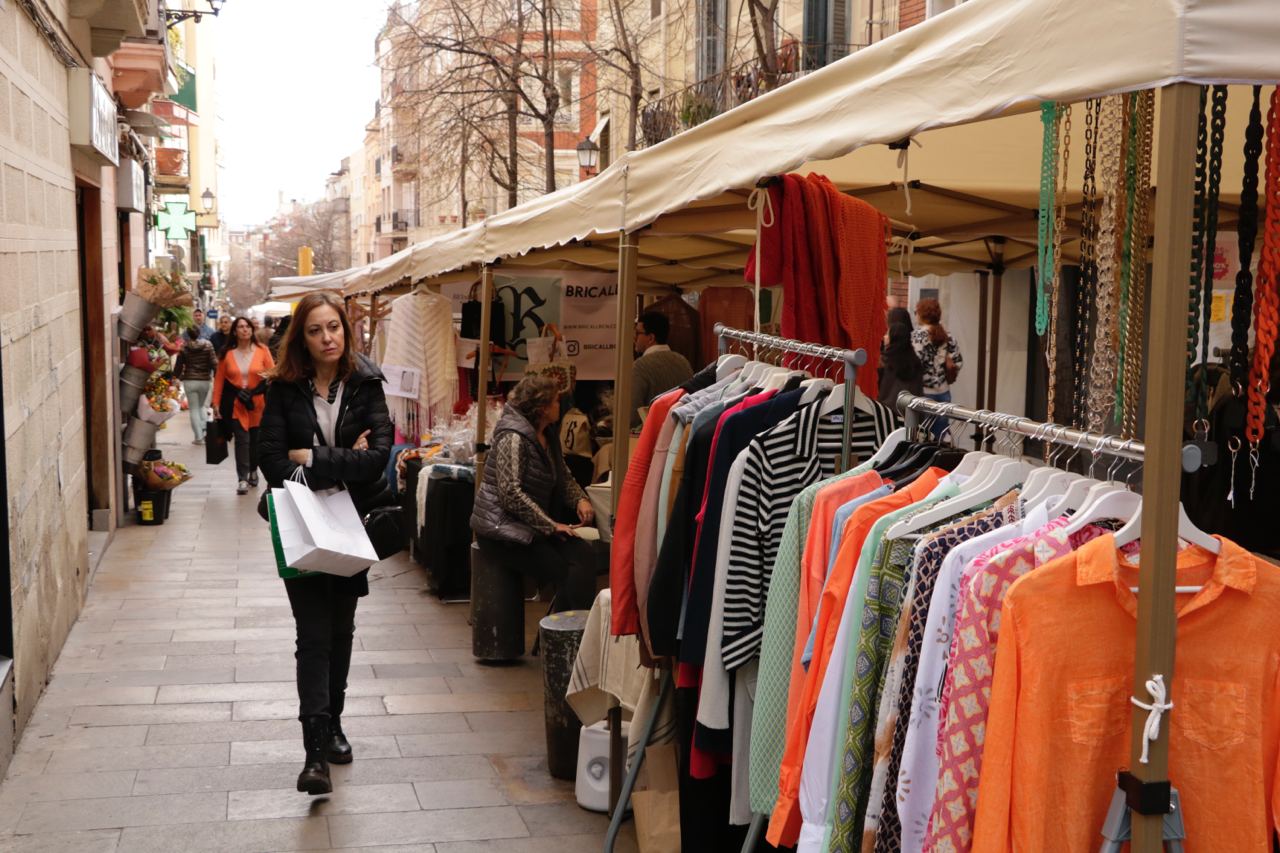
851 360
913 408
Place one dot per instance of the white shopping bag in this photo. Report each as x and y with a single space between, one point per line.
322 533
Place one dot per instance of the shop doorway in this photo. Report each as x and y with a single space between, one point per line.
99 416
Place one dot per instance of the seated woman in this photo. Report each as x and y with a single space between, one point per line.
526 484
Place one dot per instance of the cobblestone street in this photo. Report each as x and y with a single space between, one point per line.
170 722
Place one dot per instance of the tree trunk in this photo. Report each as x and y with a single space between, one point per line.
549 150
634 98
464 159
513 147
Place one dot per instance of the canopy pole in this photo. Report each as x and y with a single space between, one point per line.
984 302
373 324
1157 622
482 367
628 258
997 296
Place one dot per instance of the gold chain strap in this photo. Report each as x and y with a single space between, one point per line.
1062 124
1102 378
1138 274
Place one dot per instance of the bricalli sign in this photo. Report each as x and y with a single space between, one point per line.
582 305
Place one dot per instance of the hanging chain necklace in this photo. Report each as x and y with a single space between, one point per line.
1266 299
1055 275
1102 376
1088 270
1140 234
1217 130
1126 249
1197 248
1242 300
1051 118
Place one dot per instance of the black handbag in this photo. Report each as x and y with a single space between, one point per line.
215 446
471 316
387 530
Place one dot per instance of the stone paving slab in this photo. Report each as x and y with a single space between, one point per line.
170 722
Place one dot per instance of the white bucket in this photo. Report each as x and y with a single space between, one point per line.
135 314
592 783
132 382
139 436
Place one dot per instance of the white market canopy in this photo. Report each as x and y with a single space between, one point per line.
985 59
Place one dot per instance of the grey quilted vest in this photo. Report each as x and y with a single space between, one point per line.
488 518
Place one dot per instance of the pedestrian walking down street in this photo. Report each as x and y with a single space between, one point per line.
195 367
238 388
326 414
221 339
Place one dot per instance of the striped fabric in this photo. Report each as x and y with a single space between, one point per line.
798 452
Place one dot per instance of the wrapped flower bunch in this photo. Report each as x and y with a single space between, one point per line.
166 291
163 475
159 400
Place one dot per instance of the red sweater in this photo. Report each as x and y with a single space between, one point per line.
622 575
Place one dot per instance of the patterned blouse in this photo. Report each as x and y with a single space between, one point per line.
934 358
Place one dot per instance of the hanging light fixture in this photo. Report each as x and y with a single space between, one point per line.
176 16
588 154
207 198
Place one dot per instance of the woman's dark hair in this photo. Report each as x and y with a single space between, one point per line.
232 341
294 364
899 315
532 394
930 313
193 332
899 356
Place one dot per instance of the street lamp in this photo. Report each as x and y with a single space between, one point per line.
588 154
207 198
176 16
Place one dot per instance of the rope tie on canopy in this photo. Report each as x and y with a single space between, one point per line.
904 163
904 248
762 204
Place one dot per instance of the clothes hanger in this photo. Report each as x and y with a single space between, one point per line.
968 465
728 364
1039 473
892 442
1008 475
814 388
1058 481
1187 532
1105 500
1075 495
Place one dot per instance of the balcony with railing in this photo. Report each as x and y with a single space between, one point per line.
681 110
403 220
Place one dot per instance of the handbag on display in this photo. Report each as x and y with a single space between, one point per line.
546 356
472 311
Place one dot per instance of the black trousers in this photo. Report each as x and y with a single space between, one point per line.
325 619
246 449
565 563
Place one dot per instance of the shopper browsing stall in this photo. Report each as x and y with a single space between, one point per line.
326 414
237 397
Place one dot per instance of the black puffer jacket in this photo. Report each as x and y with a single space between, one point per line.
289 423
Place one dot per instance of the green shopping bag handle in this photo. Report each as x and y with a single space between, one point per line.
278 548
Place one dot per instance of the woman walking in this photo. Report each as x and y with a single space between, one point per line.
237 397
195 367
938 353
326 414
526 486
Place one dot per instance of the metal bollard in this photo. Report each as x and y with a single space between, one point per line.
497 609
560 634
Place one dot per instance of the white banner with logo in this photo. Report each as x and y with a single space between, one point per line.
583 305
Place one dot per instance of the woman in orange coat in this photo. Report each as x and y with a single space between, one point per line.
238 390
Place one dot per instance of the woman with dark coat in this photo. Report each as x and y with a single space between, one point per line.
326 414
900 367
526 488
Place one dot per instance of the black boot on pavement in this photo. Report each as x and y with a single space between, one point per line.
337 748
314 778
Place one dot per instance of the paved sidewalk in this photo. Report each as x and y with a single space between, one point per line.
170 723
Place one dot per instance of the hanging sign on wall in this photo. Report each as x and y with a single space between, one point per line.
583 306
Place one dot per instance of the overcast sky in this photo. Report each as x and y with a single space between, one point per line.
296 85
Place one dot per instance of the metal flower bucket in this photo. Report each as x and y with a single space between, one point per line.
135 314
132 382
139 436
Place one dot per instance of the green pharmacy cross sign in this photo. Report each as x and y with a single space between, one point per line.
176 220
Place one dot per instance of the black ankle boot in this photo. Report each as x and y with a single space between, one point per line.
337 749
314 778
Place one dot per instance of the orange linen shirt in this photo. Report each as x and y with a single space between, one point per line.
784 826
1060 718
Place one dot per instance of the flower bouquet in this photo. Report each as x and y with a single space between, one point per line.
164 475
163 291
159 401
